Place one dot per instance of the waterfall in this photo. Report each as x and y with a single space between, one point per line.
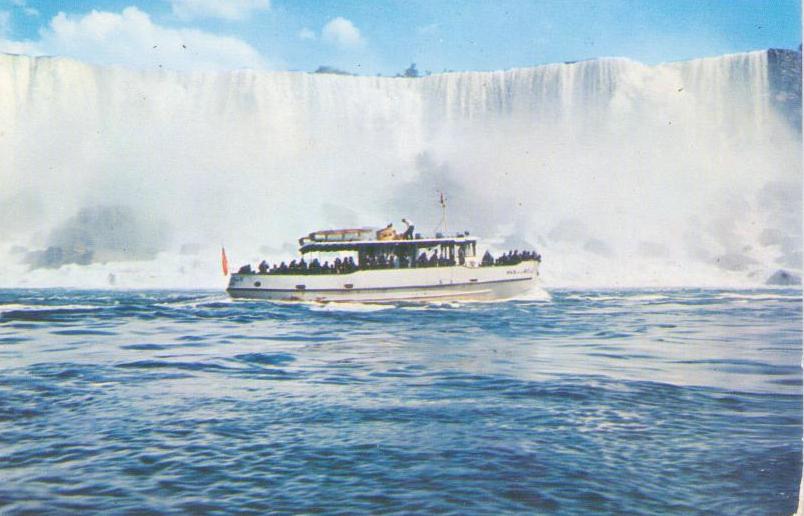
620 173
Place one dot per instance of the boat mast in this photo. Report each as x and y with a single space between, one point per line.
443 223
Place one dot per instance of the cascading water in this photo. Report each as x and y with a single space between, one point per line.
619 173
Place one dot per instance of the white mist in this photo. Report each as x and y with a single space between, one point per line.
621 174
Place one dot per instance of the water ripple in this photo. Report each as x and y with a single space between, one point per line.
684 401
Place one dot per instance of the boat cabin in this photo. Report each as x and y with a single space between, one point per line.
416 252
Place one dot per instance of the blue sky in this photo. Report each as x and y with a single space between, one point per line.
385 36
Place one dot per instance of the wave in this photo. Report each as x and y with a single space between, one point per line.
349 307
197 302
16 307
764 296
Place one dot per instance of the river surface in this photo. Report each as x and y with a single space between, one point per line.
660 401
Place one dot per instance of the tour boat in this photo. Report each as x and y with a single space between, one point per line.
368 266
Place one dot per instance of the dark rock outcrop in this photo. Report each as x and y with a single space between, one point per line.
100 234
783 278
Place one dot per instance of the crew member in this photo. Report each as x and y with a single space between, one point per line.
408 234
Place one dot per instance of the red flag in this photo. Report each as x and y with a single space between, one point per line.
224 262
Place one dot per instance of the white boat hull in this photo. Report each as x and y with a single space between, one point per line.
391 285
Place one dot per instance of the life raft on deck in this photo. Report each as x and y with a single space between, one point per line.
387 234
337 235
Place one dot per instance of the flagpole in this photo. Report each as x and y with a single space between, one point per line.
443 201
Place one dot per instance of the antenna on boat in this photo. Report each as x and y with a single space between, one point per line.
443 201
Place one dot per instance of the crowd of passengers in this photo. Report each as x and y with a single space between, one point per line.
347 265
302 267
510 258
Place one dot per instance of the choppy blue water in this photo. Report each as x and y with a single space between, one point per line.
612 401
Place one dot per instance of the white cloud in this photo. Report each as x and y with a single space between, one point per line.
131 38
306 34
225 9
342 32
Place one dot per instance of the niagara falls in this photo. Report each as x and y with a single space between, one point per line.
684 174
271 257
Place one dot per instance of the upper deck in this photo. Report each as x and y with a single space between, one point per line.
373 244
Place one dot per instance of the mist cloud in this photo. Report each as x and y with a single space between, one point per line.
616 175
